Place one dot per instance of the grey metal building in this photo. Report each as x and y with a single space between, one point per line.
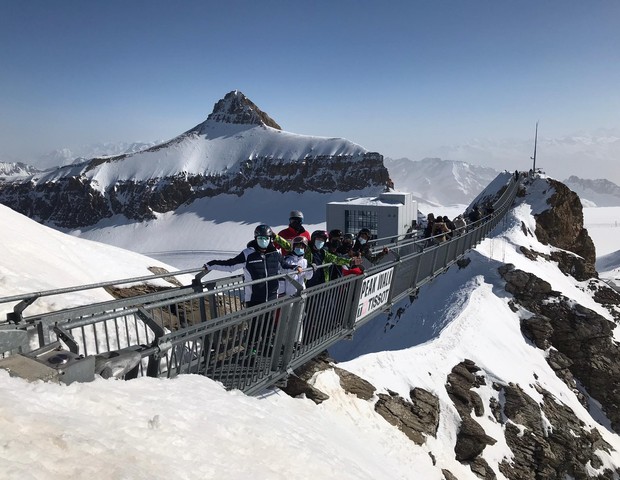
386 216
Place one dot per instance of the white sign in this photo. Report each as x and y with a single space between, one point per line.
375 293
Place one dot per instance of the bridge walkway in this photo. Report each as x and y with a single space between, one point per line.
204 329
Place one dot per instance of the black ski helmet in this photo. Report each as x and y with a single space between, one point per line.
263 231
335 233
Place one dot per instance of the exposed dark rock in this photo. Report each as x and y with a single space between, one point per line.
538 329
531 254
415 419
558 448
447 475
525 286
482 469
351 383
297 384
561 364
604 294
295 387
562 226
426 410
580 334
460 382
525 230
235 107
471 440
573 265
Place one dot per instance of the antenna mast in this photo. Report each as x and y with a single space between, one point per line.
535 142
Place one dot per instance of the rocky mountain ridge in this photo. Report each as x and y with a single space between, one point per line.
238 147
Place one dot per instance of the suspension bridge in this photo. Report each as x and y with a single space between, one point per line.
204 329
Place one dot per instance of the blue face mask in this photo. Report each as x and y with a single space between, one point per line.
263 242
362 240
299 251
319 244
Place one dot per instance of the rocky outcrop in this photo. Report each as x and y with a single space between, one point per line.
583 337
235 107
471 438
547 440
561 225
416 419
555 446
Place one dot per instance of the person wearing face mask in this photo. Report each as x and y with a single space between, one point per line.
294 229
297 255
317 255
259 260
362 247
347 244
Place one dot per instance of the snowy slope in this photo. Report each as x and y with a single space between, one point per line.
150 428
37 258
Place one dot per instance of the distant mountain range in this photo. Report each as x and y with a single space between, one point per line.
440 182
68 156
16 169
595 193
236 166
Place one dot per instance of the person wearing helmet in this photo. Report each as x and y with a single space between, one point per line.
361 248
317 255
335 233
347 244
259 260
294 229
299 246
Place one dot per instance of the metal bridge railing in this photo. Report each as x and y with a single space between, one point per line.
204 329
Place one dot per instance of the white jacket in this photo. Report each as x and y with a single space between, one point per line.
286 287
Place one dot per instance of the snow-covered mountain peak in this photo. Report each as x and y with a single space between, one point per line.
236 108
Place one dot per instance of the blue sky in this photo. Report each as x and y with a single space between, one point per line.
401 78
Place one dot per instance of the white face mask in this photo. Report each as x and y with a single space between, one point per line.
362 240
262 242
319 244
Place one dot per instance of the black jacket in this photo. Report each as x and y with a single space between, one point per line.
256 265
